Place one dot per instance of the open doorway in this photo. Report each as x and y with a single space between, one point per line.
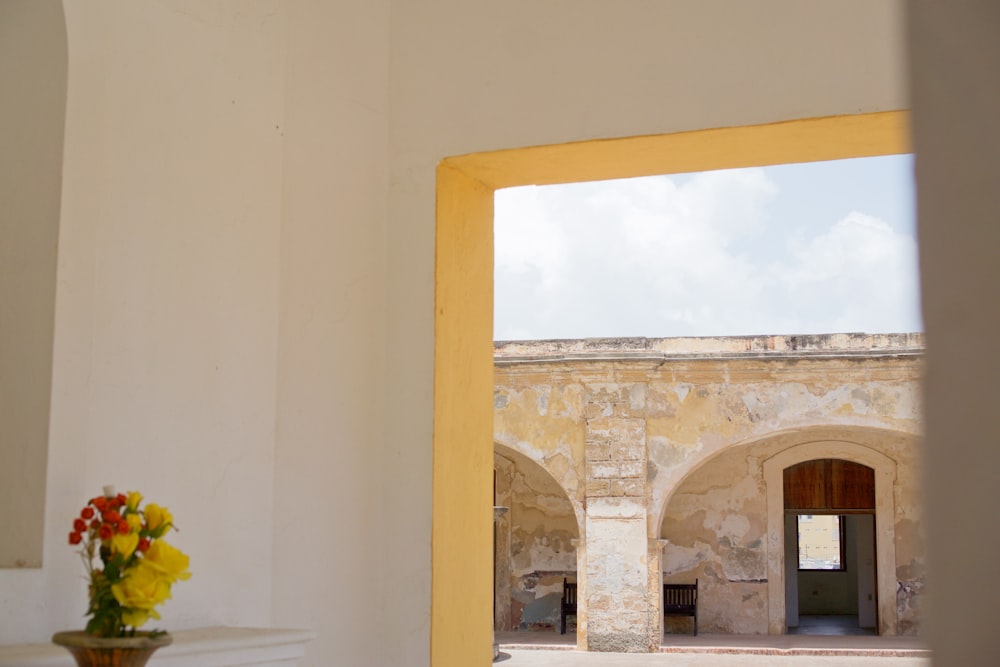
463 359
830 548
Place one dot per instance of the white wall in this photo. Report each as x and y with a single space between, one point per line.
330 524
472 75
33 89
219 324
167 300
865 543
223 288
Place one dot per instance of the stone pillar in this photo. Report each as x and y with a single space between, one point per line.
581 585
654 591
504 471
616 590
498 512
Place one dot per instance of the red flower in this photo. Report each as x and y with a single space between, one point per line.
106 531
95 523
144 545
87 513
121 499
75 537
111 516
100 503
79 525
124 528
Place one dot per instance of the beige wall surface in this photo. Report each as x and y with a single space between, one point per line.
957 138
473 76
33 89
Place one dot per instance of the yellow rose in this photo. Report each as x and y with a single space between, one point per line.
134 522
141 589
125 544
158 519
133 500
135 617
172 563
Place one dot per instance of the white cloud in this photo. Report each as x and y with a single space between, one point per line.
527 241
859 275
648 257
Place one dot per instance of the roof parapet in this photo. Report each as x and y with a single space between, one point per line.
711 347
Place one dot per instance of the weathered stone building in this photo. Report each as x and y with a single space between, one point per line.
632 462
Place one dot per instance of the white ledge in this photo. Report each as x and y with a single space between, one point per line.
201 647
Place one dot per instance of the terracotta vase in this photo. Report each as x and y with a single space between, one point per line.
91 651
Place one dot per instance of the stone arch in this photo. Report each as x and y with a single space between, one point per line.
769 456
566 479
885 477
781 439
541 534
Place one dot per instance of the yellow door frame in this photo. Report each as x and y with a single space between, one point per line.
461 534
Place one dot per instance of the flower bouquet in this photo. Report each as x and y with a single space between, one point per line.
130 571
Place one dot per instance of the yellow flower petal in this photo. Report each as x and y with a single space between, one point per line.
125 544
157 517
171 562
134 498
142 588
135 617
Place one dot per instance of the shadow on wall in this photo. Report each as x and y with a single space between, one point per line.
33 75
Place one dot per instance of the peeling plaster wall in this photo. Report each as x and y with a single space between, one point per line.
715 521
542 418
542 551
716 527
699 408
712 410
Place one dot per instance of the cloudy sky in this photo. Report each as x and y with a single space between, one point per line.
823 247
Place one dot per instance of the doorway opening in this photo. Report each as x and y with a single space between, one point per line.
835 598
830 548
461 533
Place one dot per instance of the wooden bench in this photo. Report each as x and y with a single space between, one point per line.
567 607
681 600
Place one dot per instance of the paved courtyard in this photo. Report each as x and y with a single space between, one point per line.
527 658
523 649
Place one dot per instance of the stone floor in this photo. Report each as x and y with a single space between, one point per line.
831 641
830 625
533 658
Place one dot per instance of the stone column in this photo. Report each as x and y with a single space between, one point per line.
498 512
654 591
503 469
617 585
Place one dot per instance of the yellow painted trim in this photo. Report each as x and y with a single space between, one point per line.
462 528
461 537
809 140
